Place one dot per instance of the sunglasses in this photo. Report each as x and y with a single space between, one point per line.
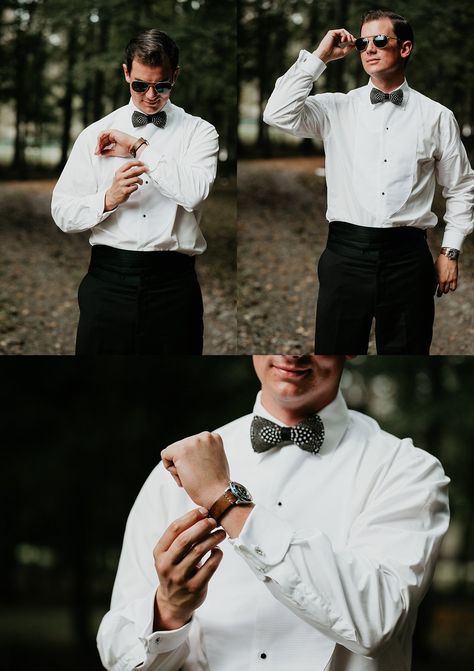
380 41
160 87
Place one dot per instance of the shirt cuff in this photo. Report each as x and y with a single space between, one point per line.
263 541
453 239
160 642
310 64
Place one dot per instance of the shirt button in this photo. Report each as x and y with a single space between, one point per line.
259 551
383 193
385 160
146 182
279 503
144 215
263 655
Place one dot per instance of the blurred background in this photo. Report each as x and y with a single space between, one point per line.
282 187
60 70
80 438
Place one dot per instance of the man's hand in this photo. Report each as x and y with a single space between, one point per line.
447 274
200 466
183 579
114 143
126 181
329 49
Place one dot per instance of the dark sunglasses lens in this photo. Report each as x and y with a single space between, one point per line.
139 87
361 43
380 41
163 87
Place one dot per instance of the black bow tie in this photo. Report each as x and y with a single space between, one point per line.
141 119
308 434
377 96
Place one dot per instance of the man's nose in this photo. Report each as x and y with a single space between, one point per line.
150 92
371 48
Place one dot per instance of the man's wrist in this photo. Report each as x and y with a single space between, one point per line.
450 252
165 619
108 204
137 146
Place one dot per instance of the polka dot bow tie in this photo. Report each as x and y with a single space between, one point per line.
308 434
377 96
141 119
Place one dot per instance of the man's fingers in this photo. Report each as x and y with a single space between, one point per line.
190 561
178 526
207 570
138 165
181 545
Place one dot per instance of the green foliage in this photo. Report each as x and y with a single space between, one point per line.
441 67
63 55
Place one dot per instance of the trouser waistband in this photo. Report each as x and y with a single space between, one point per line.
133 262
353 240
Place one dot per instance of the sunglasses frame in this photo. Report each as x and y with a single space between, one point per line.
167 88
365 41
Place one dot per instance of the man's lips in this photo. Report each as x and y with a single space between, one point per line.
372 60
290 371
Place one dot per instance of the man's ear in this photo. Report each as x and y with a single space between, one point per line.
126 73
175 75
406 48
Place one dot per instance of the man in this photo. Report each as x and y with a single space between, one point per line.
385 145
136 180
323 570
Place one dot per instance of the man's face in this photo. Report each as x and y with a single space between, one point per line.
380 63
150 101
295 386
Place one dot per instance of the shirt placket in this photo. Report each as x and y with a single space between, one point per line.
384 159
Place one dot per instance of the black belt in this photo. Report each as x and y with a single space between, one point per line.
352 240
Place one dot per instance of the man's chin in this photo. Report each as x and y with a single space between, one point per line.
152 109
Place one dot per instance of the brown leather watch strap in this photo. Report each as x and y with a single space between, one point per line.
137 145
222 504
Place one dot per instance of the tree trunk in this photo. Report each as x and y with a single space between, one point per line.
68 94
19 159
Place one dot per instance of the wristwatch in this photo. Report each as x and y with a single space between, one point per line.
137 145
450 252
235 495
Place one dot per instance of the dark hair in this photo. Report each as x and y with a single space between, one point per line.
152 47
401 27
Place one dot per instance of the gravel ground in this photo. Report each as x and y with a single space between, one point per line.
281 233
42 268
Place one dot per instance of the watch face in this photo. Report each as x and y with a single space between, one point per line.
241 492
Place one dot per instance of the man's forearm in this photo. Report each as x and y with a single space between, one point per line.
287 107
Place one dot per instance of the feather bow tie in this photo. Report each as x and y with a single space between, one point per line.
377 96
141 119
308 434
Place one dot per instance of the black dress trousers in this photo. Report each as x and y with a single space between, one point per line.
139 303
383 274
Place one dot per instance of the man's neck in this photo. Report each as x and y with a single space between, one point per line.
387 85
293 414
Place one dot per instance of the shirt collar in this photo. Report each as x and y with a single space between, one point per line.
335 418
404 87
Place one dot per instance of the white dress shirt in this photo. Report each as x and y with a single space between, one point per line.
382 160
164 213
326 574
